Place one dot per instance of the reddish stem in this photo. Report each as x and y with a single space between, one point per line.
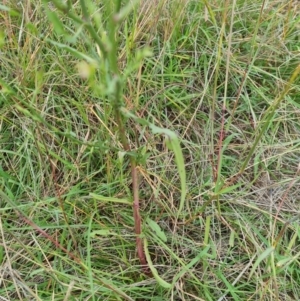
49 237
137 219
136 202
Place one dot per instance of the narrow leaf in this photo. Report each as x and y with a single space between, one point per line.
73 51
57 24
110 199
260 258
175 145
284 261
156 228
123 13
104 232
185 269
229 188
11 11
160 281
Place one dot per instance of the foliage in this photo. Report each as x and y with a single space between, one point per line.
190 109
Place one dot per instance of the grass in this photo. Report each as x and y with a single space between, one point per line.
223 76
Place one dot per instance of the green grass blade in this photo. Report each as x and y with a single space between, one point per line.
260 258
159 280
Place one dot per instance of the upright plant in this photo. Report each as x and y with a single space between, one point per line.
102 62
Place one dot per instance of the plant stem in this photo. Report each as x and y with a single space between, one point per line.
117 105
135 192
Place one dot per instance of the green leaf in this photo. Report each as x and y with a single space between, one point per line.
260 258
207 229
73 51
156 228
29 114
284 261
57 24
32 28
110 199
4 174
186 268
231 239
5 8
11 11
58 4
174 144
220 183
104 232
231 289
123 13
159 280
229 188
2 38
1 254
